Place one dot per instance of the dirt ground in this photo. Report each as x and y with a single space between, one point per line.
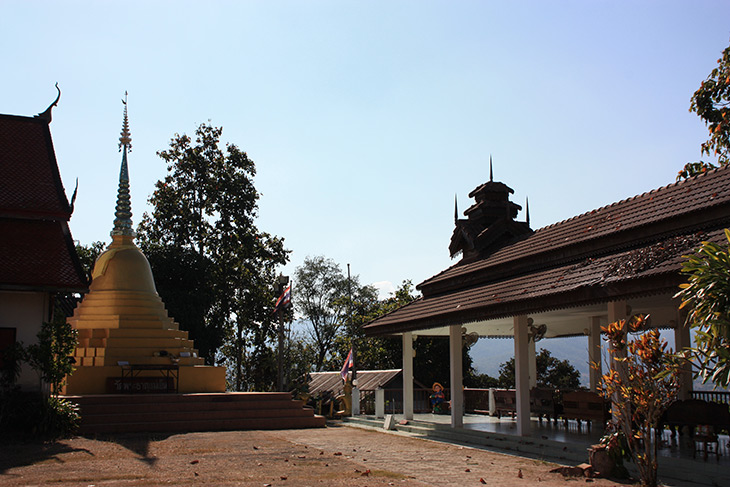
336 456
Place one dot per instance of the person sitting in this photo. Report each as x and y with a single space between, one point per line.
437 398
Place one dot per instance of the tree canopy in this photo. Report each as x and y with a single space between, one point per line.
551 372
711 102
214 268
706 296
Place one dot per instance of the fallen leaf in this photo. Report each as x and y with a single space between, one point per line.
283 477
255 447
467 470
519 474
196 474
482 481
366 473
338 453
194 462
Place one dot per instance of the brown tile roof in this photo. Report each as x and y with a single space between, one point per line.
29 178
368 380
38 254
36 248
630 248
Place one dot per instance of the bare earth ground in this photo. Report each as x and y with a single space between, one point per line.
336 456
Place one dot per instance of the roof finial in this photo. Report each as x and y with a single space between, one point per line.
491 175
126 138
456 209
47 114
527 210
123 213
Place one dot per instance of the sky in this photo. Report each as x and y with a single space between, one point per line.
366 119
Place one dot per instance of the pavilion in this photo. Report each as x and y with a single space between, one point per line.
566 279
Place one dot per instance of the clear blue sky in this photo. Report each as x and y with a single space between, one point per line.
366 118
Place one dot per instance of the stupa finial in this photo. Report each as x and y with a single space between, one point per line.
456 209
491 174
527 210
125 140
123 213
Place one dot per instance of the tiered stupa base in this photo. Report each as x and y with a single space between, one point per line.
122 321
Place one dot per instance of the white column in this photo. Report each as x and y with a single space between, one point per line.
532 363
456 376
594 352
522 378
379 402
408 375
682 340
616 311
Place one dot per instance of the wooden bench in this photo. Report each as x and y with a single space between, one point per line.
585 406
543 403
505 402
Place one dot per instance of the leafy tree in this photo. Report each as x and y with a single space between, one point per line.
88 255
642 383
712 103
50 356
706 295
322 298
551 372
203 215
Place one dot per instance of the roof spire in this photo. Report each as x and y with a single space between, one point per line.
527 210
123 213
491 174
456 209
47 114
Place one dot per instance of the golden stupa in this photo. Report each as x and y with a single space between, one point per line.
126 338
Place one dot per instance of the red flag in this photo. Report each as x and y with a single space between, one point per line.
349 363
284 300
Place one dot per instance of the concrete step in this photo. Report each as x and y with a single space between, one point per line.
206 425
192 412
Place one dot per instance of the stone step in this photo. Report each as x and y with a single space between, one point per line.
193 415
192 412
206 425
100 409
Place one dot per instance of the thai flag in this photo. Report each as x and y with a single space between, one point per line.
349 363
284 300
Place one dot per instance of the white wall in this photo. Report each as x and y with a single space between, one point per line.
24 311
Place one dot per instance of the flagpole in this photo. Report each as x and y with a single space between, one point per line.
283 281
352 332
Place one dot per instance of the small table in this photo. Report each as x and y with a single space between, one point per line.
130 371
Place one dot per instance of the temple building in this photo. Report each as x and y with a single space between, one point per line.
566 279
39 267
124 328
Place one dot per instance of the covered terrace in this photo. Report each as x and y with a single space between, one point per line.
572 277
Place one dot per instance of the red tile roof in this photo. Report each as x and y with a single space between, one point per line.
630 248
36 248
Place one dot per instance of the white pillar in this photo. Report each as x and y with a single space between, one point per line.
379 402
355 401
408 375
532 363
594 352
456 376
617 311
682 340
522 379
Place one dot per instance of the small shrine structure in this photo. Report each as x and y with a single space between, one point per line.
126 338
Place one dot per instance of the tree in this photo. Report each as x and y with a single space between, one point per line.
322 297
711 102
706 296
642 383
203 218
551 372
